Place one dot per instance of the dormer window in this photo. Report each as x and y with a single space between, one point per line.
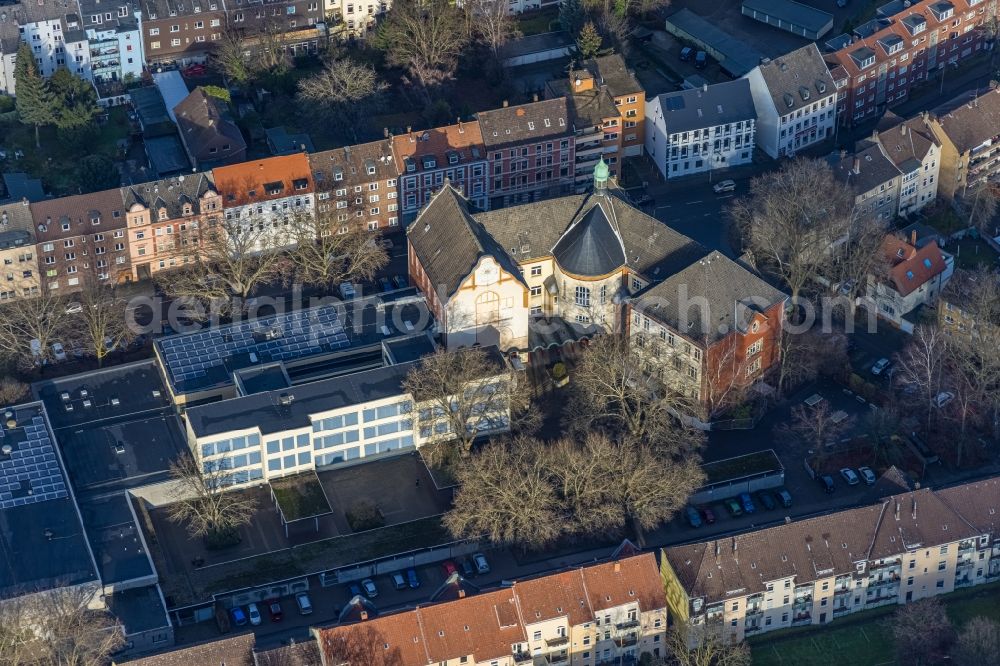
300 183
187 209
942 10
163 213
338 175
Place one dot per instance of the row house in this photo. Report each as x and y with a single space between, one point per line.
911 275
872 178
424 160
358 16
20 265
261 198
877 66
299 25
530 149
710 332
165 219
912 146
907 546
608 613
968 128
181 31
115 42
796 101
52 30
81 241
357 184
703 129
608 106
507 279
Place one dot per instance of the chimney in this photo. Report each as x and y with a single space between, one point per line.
461 593
409 129
857 165
914 508
364 615
534 97
874 135
505 103
704 87
913 238
618 566
902 130
897 509
385 132
461 129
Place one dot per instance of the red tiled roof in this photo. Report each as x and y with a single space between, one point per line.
237 181
484 625
465 139
910 267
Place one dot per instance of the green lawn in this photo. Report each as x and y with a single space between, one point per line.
863 639
533 23
972 253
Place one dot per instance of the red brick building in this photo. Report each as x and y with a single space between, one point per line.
887 57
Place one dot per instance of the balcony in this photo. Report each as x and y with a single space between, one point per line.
801 619
627 624
627 640
803 601
557 641
588 148
556 659
523 658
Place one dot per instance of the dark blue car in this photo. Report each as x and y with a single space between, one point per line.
747 503
411 577
239 617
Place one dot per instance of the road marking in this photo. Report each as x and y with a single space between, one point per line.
728 196
689 203
706 215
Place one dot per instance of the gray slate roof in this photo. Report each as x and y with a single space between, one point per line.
787 75
969 120
793 12
590 248
733 293
906 142
874 168
170 193
718 104
524 123
611 71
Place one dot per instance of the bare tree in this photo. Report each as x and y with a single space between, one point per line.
611 390
29 326
12 391
793 219
232 58
357 645
979 204
425 37
581 475
345 92
806 356
464 393
327 252
506 496
493 22
816 426
881 427
204 505
704 646
16 633
269 49
922 632
102 323
920 368
978 642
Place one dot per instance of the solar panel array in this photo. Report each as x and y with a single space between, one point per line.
300 333
32 462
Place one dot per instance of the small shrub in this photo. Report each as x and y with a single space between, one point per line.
220 539
364 515
6 104
559 371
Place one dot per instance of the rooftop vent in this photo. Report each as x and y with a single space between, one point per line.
286 399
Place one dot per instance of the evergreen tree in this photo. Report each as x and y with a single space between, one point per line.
589 41
97 172
75 100
34 101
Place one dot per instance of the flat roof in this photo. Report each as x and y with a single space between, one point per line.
42 542
409 348
207 358
172 88
792 12
140 609
300 496
738 58
166 155
546 41
277 411
114 538
261 378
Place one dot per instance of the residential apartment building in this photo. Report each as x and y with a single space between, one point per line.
608 107
916 152
913 276
609 613
709 331
905 547
81 240
796 101
425 159
873 179
165 220
966 308
508 279
263 196
20 265
885 58
358 16
52 30
300 23
358 184
707 128
281 430
181 31
968 128
208 133
530 149
114 38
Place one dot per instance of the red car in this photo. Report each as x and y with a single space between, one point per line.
449 568
707 514
195 70
274 610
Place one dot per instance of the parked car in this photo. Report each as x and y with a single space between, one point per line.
385 284
826 481
368 585
708 515
254 614
868 475
785 498
398 580
693 517
74 308
274 610
449 568
58 351
347 291
850 476
724 186
304 604
734 507
700 60
881 366
468 569
411 578
239 617
940 400
482 566
766 501
196 69
747 503
353 590
686 53
399 281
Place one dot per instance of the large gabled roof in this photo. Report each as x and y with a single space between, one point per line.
797 79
